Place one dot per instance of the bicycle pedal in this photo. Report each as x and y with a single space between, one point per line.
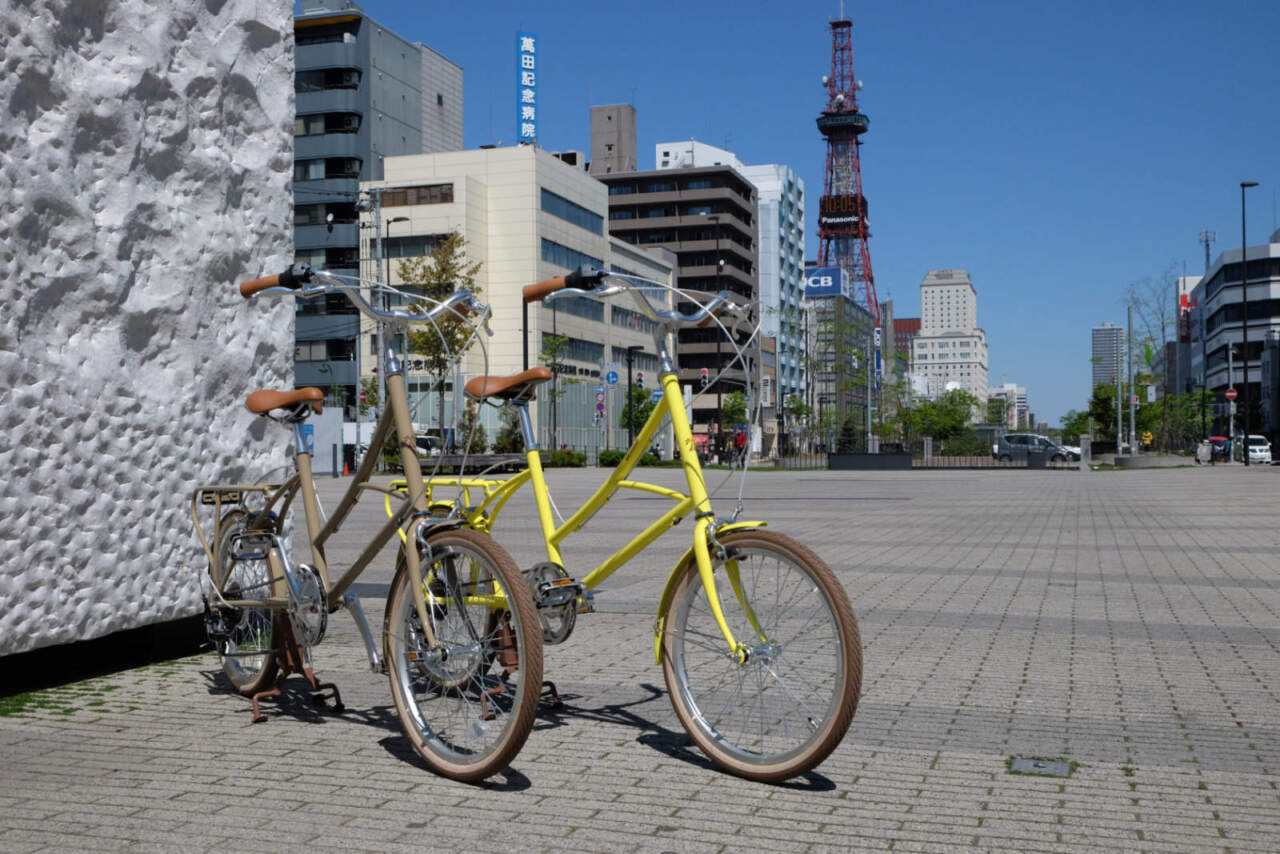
587 603
559 592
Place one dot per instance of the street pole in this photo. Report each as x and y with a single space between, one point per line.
1231 404
1244 314
631 410
1133 433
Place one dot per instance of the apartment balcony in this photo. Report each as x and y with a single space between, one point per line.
320 237
335 54
328 145
329 101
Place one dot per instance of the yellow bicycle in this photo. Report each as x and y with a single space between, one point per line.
756 638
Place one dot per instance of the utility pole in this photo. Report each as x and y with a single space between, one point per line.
1133 402
1244 315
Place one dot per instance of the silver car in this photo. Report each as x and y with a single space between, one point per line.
1016 446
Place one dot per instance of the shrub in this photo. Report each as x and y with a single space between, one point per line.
610 458
566 459
648 459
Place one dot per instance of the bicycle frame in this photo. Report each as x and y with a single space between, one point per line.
394 417
482 516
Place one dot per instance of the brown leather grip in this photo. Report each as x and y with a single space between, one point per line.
248 289
542 290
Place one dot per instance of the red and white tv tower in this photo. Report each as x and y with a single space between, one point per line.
842 211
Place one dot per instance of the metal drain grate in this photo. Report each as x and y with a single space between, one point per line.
1040 767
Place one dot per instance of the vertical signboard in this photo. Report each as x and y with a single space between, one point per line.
879 359
527 90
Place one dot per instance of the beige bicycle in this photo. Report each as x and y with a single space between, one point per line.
461 640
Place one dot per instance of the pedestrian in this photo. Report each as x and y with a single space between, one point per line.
740 447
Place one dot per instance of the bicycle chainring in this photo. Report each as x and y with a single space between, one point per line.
557 620
307 612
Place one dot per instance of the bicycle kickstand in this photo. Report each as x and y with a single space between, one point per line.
291 662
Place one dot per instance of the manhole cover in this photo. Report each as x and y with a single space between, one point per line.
1041 767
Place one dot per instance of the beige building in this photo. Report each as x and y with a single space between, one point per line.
526 216
950 350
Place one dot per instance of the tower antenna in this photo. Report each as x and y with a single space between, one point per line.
1207 238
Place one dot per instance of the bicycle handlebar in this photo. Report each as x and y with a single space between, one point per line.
590 281
300 280
576 279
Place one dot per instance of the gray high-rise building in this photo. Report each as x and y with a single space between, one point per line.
1108 354
363 93
613 139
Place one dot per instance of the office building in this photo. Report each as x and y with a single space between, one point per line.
950 350
363 93
526 215
1218 356
905 329
708 217
1107 356
780 247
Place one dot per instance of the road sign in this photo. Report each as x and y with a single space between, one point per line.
1231 394
656 396
611 378
599 397
599 389
600 406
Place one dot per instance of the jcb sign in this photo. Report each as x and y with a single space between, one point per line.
823 281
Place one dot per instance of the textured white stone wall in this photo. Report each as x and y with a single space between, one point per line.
145 163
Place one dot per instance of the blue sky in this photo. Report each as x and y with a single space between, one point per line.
1056 151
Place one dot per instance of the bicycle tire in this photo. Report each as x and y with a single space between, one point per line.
784 710
247 657
468 715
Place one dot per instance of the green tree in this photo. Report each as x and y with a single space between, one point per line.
510 438
641 403
436 276
997 409
471 433
733 411
369 385
554 348
849 439
944 418
1074 425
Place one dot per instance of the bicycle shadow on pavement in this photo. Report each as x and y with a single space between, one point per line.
295 702
676 744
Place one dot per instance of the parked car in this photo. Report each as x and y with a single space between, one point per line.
428 446
1016 446
1259 450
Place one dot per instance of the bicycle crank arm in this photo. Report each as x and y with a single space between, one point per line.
352 601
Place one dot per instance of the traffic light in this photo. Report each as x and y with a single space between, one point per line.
640 378
704 376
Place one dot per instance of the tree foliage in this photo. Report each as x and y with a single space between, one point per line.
471 435
944 418
641 403
437 276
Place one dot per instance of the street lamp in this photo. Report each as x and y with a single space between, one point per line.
386 254
719 264
1244 313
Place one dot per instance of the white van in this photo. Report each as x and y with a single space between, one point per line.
1259 450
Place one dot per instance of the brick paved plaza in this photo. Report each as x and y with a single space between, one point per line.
1128 622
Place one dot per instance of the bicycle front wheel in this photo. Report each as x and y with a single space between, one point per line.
467 704
247 653
786 707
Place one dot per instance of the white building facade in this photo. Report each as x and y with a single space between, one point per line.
527 216
950 351
1016 415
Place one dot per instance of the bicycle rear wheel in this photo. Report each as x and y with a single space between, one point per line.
467 705
784 709
246 654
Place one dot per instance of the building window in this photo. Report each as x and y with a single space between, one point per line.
577 349
555 253
620 189
572 212
579 307
429 194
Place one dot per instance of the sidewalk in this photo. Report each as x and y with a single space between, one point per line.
1127 623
